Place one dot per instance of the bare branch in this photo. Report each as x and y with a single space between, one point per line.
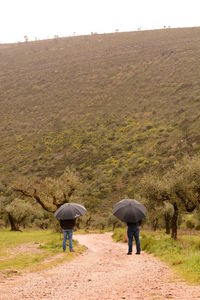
24 193
36 197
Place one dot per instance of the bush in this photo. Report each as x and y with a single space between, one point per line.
197 227
190 224
120 235
43 224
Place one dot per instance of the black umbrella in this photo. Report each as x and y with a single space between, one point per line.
129 210
69 211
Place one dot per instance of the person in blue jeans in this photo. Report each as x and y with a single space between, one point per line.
133 230
67 228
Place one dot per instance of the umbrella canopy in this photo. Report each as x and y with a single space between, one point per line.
69 211
129 210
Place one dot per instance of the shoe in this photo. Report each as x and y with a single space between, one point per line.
137 253
72 250
129 253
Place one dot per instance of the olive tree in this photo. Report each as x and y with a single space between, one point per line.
184 187
50 193
167 212
6 198
19 212
151 189
180 187
16 212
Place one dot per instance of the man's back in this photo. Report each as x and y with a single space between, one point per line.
67 224
132 226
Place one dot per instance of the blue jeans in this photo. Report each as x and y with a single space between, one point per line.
67 234
133 231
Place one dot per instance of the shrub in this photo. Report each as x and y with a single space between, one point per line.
190 224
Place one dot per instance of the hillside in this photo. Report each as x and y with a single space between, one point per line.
113 106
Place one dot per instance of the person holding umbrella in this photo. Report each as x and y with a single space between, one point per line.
67 228
67 214
133 231
131 212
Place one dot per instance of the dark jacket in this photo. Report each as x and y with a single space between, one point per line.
133 226
67 224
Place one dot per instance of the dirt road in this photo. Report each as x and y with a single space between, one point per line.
104 271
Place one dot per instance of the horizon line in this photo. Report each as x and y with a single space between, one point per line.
116 31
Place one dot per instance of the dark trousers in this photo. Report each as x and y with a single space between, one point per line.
133 232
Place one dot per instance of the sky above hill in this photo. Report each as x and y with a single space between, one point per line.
43 19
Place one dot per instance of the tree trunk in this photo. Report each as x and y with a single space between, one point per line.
77 224
167 223
13 225
174 222
155 224
87 225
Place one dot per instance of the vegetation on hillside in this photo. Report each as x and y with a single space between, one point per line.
112 107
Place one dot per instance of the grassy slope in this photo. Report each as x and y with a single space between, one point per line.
112 105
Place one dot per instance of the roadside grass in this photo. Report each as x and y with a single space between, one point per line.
182 255
46 250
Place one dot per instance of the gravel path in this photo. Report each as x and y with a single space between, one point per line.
104 271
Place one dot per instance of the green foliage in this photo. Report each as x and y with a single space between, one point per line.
20 211
191 221
179 187
120 235
3 202
189 224
186 182
50 192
